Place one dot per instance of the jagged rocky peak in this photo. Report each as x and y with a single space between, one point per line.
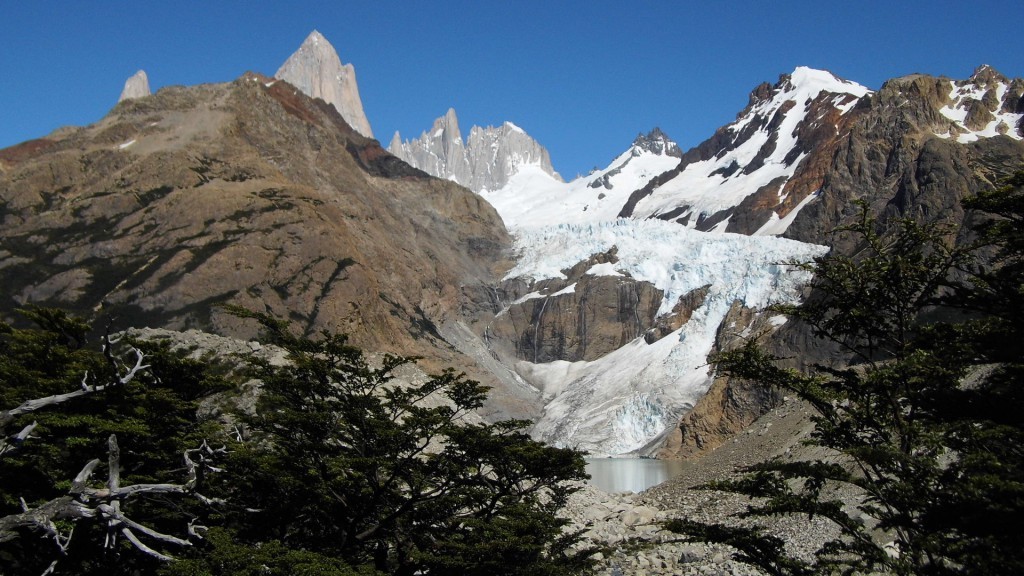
986 104
986 75
657 142
485 161
135 87
317 71
439 152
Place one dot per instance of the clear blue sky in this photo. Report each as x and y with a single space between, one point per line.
582 77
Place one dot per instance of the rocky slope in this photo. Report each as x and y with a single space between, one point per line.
248 193
316 70
485 162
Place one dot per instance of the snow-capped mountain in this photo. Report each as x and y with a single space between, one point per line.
752 159
486 161
986 105
532 197
619 294
317 71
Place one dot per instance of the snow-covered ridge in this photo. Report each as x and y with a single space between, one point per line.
723 181
760 148
532 198
622 401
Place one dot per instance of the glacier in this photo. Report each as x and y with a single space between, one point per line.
626 400
622 401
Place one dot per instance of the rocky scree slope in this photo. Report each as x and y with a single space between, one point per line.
249 193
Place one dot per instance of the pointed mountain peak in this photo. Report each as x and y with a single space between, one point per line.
317 71
657 142
396 142
985 75
315 37
446 127
135 87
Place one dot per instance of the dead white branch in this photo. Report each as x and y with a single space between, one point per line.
7 416
104 503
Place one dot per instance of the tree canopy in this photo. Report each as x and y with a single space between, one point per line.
337 467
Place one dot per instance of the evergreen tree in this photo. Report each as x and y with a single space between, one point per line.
343 462
68 405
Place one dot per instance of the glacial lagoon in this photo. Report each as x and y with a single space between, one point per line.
631 474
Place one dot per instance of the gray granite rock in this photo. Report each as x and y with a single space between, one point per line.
316 70
135 87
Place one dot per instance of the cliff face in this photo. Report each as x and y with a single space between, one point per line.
247 193
135 87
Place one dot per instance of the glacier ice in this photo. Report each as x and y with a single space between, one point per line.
620 402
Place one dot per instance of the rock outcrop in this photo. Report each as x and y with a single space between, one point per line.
580 318
135 87
485 162
317 71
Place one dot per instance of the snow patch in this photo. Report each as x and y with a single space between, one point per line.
604 269
776 226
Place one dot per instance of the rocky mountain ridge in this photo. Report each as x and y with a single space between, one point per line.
792 164
248 193
599 329
484 162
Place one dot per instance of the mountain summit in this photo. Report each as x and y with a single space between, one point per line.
317 71
486 162
135 87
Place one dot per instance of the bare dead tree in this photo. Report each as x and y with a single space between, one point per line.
87 501
103 504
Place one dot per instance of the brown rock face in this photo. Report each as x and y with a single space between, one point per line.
685 307
247 193
597 315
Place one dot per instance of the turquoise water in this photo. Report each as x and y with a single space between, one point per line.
630 474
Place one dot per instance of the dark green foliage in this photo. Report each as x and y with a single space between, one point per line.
223 555
344 461
924 423
154 416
